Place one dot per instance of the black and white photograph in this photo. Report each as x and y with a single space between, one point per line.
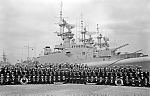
74 48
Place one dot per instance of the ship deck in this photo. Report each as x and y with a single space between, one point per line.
72 90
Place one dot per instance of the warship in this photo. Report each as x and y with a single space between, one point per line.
87 50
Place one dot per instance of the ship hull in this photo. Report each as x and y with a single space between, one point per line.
144 62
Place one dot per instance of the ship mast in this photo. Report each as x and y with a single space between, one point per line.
83 30
4 57
99 37
61 18
66 36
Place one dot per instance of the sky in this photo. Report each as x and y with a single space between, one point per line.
33 23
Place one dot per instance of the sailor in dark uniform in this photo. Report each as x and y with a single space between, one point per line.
146 75
50 79
111 79
29 79
142 79
7 79
54 76
71 76
82 77
85 76
130 78
12 78
1 79
66 76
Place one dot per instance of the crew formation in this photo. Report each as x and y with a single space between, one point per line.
74 73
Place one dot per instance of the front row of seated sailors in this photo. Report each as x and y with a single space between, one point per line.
130 76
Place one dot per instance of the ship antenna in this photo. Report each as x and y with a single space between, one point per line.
61 18
61 5
97 29
83 30
99 37
28 49
4 57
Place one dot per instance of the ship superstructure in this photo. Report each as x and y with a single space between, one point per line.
86 50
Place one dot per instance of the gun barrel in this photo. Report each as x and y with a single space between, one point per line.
137 51
121 47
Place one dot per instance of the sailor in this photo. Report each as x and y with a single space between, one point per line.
29 72
16 72
139 82
12 78
62 76
81 74
58 76
33 79
106 80
54 76
1 79
19 71
127 81
147 78
50 79
7 80
88 76
47 72
133 83
77 77
17 79
94 75
41 79
85 76
142 79
66 76
70 76
74 77
29 79
45 79
111 80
